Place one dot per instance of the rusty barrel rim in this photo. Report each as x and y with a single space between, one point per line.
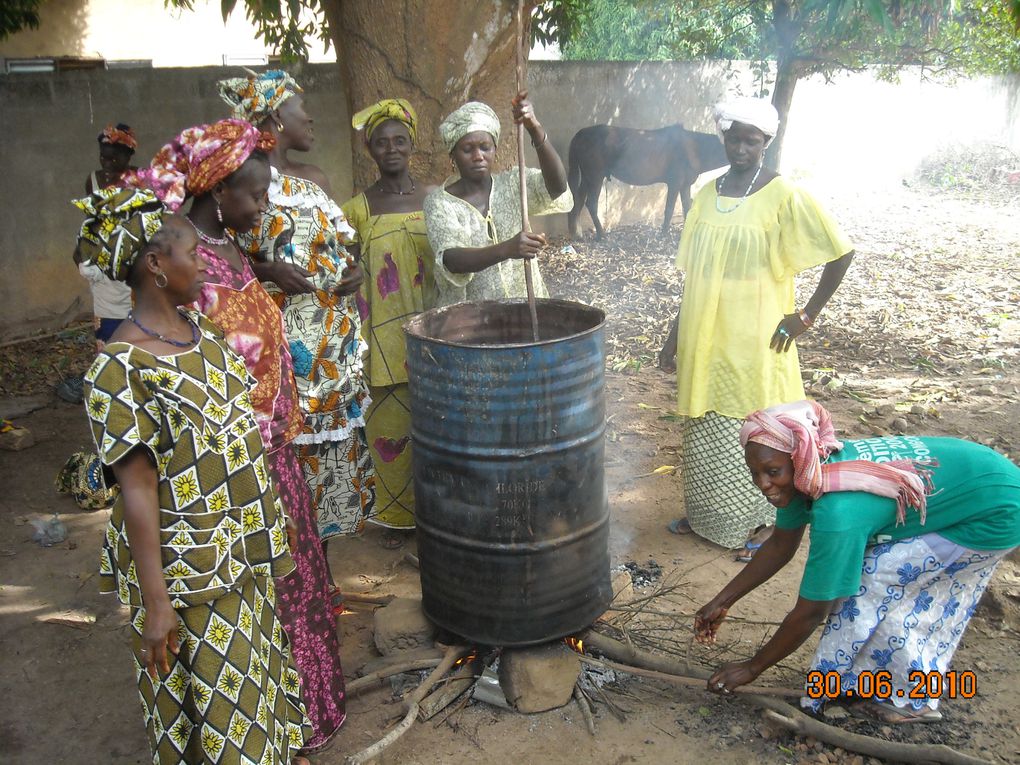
415 327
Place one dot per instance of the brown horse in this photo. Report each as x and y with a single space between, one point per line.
671 155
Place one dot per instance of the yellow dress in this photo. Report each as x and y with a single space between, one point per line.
398 284
739 268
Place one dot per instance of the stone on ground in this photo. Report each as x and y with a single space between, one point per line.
539 678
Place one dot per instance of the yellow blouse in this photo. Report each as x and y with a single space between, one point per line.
398 283
739 268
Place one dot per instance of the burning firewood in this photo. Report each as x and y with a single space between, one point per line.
460 681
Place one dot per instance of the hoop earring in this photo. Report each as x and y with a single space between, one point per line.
219 213
165 280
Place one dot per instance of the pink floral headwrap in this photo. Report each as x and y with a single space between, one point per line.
199 158
804 431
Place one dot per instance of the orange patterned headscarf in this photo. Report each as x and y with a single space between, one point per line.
200 157
119 134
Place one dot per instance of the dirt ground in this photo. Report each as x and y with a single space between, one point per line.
922 339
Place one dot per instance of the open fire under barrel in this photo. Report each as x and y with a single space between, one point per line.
510 493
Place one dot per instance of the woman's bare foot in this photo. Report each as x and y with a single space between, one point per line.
680 526
893 715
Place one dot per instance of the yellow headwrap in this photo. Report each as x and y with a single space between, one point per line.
398 109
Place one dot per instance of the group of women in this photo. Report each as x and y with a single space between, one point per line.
254 402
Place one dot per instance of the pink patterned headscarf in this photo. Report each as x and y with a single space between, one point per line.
804 431
199 158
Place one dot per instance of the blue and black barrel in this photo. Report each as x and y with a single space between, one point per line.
510 491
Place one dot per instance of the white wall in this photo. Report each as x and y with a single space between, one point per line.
118 30
866 133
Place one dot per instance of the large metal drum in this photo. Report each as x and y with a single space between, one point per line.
509 479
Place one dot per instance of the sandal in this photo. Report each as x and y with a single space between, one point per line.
748 551
680 526
393 539
72 389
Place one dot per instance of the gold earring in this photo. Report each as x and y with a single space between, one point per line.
279 126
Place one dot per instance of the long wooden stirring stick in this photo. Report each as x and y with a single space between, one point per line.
525 222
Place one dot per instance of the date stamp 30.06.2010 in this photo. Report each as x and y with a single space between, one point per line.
879 685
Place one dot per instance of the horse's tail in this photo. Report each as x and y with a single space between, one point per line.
574 164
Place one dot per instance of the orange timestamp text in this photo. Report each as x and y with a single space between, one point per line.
879 685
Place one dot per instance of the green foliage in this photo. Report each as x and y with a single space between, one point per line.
286 26
810 36
16 15
982 38
630 30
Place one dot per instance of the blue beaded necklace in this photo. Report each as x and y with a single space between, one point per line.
163 338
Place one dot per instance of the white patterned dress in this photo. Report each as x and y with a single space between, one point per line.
305 228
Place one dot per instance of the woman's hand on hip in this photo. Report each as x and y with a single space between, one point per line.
350 280
159 636
790 328
292 534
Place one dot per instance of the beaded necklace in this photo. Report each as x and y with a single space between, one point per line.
741 200
216 241
163 338
397 191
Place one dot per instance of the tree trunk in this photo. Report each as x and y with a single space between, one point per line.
786 26
435 53
782 98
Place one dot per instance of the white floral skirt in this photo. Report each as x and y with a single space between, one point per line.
915 600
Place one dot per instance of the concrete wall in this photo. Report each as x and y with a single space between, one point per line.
856 132
569 95
50 122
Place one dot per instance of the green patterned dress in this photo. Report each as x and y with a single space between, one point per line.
232 694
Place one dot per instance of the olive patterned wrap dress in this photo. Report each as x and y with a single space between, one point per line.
232 694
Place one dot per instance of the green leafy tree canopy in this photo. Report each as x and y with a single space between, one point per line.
16 15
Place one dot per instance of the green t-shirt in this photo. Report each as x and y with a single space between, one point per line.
975 503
